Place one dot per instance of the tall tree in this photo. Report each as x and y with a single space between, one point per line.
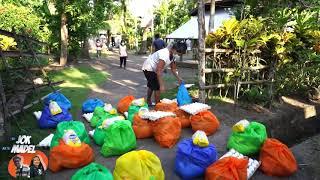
63 35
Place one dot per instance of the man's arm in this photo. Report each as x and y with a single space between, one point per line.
159 70
173 67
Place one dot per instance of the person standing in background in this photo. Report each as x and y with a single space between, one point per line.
98 47
189 45
158 43
123 54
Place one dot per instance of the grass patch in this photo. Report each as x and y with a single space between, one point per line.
78 83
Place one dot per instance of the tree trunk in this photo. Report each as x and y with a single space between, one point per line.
143 49
108 38
85 49
201 47
124 11
212 13
64 40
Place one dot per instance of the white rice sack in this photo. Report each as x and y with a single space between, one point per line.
253 164
108 122
195 108
46 141
155 115
87 116
37 114
168 101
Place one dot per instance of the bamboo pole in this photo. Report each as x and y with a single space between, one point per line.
201 49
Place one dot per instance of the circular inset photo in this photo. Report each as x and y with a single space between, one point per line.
28 164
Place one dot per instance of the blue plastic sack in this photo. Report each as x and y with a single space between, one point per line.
58 97
183 96
192 160
90 104
47 120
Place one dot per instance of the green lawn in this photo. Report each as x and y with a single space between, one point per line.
78 83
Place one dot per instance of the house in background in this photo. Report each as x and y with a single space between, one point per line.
189 30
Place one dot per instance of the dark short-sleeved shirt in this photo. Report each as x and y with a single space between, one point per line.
159 44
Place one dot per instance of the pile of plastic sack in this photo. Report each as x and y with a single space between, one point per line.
68 146
112 131
250 139
56 109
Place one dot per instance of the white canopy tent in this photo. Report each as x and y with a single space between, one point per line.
189 30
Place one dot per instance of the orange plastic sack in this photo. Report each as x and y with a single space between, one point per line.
142 128
166 107
205 121
124 104
183 117
65 156
166 131
277 159
228 168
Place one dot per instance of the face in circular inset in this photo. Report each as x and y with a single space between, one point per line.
36 161
17 162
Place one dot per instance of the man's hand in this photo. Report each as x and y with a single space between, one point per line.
180 81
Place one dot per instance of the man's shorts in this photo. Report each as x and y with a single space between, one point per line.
152 79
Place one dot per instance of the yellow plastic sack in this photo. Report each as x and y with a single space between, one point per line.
200 138
138 165
54 108
71 138
240 126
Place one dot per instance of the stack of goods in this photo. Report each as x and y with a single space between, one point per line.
247 138
124 104
194 156
102 113
90 104
277 159
135 106
168 105
53 114
93 171
119 138
56 109
201 118
142 127
99 133
228 168
166 127
68 146
252 166
138 165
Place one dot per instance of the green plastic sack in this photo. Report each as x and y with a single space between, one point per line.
119 139
99 136
250 141
77 126
99 115
133 110
93 171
